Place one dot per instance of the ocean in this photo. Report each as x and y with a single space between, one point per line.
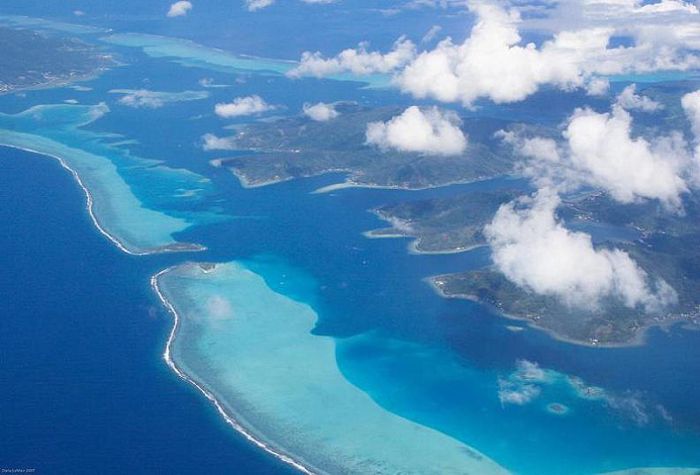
366 341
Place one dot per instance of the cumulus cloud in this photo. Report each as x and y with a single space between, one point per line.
358 61
598 86
254 5
320 112
180 8
212 142
533 249
494 63
430 131
601 145
431 34
630 100
511 392
248 105
691 106
524 384
143 98
599 150
529 382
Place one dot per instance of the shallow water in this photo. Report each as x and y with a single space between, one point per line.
383 338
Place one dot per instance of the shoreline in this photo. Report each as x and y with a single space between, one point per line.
89 206
349 183
228 418
59 83
640 338
415 242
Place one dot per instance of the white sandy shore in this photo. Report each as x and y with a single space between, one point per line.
230 420
90 208
414 245
349 183
639 339
351 434
88 199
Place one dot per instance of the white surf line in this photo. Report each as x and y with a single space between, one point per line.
89 201
230 420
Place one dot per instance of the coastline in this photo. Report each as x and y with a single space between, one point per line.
413 246
230 420
640 338
57 83
357 442
89 206
348 183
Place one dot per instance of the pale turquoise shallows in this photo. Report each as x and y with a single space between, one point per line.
121 215
253 349
189 53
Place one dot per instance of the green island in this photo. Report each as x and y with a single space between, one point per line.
443 225
33 60
662 243
298 147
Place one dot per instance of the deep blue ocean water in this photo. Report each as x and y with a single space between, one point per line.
82 335
85 389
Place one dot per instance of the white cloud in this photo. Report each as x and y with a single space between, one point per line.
662 32
598 86
599 150
535 251
254 5
180 8
431 34
602 147
212 142
630 100
320 112
524 384
691 106
357 61
511 392
241 106
142 98
494 63
429 131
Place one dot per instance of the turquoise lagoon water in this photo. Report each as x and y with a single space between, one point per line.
189 53
157 99
328 345
55 130
285 383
